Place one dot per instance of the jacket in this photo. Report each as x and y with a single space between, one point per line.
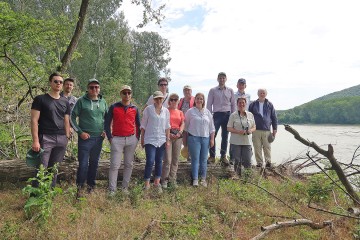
269 119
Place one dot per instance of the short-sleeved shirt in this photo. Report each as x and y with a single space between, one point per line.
176 118
241 123
52 114
165 103
155 125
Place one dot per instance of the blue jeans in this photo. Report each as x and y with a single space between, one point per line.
198 149
220 120
88 155
153 154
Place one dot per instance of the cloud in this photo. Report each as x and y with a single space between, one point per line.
298 50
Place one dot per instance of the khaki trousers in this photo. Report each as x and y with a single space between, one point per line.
171 160
260 142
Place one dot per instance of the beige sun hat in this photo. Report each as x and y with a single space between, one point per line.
185 152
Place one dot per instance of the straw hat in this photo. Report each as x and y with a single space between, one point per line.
185 152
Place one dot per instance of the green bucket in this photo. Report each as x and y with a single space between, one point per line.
33 159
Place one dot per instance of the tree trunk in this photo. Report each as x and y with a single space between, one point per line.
17 170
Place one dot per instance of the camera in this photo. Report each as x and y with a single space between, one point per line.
246 129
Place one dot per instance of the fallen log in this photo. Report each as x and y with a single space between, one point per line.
16 170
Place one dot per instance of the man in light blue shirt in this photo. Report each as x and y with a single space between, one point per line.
241 85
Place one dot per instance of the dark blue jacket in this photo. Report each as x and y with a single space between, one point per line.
269 118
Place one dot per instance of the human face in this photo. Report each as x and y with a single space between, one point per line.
56 83
173 101
262 94
163 85
158 102
126 95
68 86
241 87
199 101
222 79
187 93
93 89
241 105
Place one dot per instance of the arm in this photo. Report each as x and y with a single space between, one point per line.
74 114
233 102
274 122
137 124
210 100
142 137
212 139
107 123
67 125
35 115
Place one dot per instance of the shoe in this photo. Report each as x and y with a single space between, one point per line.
125 191
111 193
203 183
224 161
79 193
164 184
195 183
268 165
259 165
158 188
90 189
211 160
146 187
189 159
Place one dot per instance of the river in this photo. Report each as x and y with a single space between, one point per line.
344 138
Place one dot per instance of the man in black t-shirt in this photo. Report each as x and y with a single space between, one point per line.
50 125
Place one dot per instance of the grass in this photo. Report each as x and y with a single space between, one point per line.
227 209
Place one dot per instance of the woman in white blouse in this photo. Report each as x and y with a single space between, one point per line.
200 129
241 125
155 136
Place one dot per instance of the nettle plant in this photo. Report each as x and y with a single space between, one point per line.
39 205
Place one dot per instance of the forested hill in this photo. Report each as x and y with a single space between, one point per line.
340 107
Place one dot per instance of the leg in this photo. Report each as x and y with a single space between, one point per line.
167 162
236 151
204 146
84 147
217 123
159 155
176 147
224 134
256 138
94 161
117 147
57 154
129 151
194 150
150 159
267 147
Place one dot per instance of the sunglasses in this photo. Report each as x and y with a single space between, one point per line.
173 99
58 82
126 93
163 84
94 87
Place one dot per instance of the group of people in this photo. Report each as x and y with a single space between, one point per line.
167 123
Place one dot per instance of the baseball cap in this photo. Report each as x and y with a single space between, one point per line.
33 159
125 87
158 94
93 80
241 80
221 74
187 87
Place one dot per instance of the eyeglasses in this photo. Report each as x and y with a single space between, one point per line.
173 99
94 87
58 82
163 84
126 93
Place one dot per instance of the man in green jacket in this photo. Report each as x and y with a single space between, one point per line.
87 119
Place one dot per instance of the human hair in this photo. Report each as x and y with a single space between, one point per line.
172 95
54 75
163 79
240 98
69 80
262 89
202 95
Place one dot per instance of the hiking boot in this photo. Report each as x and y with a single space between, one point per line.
211 160
203 183
224 161
195 183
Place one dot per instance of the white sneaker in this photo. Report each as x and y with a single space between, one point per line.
195 183
111 193
203 183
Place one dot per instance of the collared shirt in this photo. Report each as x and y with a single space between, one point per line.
244 95
221 100
199 123
155 125
165 103
241 123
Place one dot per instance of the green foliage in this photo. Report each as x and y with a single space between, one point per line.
319 188
39 204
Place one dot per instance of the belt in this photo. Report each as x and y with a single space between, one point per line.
126 136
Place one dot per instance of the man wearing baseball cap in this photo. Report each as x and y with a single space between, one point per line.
221 102
241 85
122 126
87 119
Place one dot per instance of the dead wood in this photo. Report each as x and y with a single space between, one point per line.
329 154
297 222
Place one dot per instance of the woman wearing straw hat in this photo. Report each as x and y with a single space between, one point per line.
171 159
155 136
200 129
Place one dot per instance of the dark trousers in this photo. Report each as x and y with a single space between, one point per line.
220 120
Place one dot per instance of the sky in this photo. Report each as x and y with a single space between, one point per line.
297 50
